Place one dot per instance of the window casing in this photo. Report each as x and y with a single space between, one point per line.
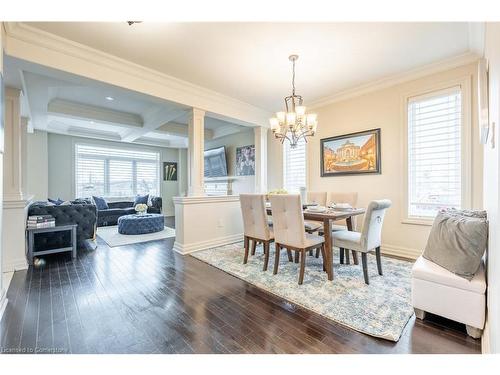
294 166
115 173
435 153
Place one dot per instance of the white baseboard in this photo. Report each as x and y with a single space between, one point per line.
203 245
15 265
404 252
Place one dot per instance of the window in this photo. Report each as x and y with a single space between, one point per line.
294 166
435 153
115 173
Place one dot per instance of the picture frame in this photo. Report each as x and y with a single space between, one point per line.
245 160
170 171
351 154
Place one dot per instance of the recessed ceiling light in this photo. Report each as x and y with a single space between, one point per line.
110 98
92 122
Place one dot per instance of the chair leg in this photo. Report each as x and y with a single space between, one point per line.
302 265
323 254
355 257
297 254
254 245
289 253
266 255
379 260
276 259
341 255
245 259
310 252
347 260
317 252
365 267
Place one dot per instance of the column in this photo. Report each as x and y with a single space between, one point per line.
260 134
15 201
196 147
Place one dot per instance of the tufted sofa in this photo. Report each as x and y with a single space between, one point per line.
117 209
85 215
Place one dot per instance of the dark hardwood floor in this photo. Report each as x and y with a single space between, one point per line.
145 298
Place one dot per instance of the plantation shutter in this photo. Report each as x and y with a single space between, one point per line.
115 173
294 165
434 152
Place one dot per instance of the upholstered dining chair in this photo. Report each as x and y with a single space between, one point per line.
289 231
352 199
370 236
318 197
255 225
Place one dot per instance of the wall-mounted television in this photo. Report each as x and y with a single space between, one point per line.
215 162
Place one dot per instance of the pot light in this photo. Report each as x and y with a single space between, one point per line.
110 98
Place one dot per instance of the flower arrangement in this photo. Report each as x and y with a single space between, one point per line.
141 208
276 191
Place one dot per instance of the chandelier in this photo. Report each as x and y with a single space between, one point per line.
293 124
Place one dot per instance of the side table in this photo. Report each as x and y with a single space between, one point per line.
32 252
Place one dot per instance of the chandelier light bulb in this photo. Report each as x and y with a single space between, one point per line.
281 116
275 124
300 110
290 118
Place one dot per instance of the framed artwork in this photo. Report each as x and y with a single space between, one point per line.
245 160
169 171
355 153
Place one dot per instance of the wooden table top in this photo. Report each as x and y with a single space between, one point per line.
330 213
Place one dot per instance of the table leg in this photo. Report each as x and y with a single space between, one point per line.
328 247
73 242
31 244
354 254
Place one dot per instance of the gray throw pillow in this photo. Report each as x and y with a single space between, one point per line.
458 241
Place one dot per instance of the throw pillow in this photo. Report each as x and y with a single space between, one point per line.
458 241
141 199
100 203
57 201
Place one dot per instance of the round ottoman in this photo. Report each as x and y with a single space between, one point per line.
140 224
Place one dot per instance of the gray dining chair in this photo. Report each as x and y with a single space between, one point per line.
255 225
370 236
289 231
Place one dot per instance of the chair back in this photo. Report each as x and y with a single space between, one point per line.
288 219
371 235
253 209
318 197
351 198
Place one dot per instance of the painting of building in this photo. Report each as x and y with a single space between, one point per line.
351 153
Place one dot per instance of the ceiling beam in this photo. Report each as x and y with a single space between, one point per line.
152 121
67 109
181 130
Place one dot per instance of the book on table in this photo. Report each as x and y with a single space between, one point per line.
41 221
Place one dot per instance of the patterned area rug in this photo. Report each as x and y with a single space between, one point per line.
381 309
111 236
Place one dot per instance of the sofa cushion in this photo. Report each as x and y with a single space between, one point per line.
458 241
57 201
100 203
424 269
141 199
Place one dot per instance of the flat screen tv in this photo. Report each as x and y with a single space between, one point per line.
215 162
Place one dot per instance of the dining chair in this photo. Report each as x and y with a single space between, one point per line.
352 199
319 198
255 225
289 231
370 236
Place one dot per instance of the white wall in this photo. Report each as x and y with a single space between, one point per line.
380 109
3 298
37 167
60 166
242 184
492 184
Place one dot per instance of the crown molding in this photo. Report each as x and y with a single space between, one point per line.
38 46
392 80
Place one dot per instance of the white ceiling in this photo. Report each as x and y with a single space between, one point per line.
63 103
248 61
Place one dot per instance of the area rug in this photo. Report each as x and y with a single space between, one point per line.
111 236
381 309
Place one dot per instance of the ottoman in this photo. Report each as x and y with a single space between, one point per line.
140 224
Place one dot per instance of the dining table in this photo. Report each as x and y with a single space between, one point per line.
327 217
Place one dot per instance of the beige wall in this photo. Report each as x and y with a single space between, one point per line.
492 185
37 171
381 109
